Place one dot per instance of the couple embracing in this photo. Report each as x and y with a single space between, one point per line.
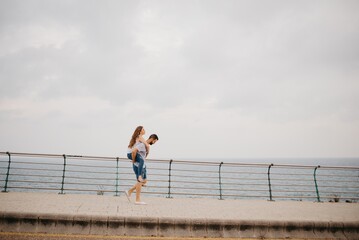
138 150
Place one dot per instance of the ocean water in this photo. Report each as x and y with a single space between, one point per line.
344 161
288 179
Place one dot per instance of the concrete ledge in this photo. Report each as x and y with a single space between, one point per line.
168 227
116 226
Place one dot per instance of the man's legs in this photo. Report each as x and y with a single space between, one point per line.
135 170
138 192
140 162
130 191
138 186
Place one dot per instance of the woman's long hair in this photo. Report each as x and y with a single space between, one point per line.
135 135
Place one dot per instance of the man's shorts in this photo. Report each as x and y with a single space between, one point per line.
135 165
144 172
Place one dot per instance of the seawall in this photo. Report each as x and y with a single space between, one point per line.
182 217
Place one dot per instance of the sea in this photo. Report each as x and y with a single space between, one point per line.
273 179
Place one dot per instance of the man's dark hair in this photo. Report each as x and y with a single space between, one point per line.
153 136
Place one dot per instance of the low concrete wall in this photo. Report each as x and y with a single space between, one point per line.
167 227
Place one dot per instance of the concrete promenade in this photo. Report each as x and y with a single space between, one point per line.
185 217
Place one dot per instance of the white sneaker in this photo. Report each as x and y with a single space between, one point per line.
140 203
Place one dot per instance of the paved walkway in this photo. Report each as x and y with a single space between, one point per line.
183 210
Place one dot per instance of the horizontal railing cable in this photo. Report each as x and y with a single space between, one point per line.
42 163
34 175
77 173
82 171
35 169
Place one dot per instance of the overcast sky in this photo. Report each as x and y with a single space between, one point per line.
214 79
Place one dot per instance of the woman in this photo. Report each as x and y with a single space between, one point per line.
137 137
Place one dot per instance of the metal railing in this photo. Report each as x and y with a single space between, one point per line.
169 178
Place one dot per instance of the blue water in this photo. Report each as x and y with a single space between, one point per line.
189 179
344 161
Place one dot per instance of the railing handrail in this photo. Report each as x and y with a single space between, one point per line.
208 178
214 163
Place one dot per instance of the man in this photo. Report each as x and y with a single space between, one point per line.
140 148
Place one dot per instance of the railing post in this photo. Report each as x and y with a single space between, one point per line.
269 183
63 175
117 176
169 179
220 181
8 172
315 181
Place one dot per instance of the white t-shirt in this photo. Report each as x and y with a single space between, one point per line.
141 150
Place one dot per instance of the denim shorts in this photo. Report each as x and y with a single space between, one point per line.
144 171
135 166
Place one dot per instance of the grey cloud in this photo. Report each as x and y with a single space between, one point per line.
251 55
283 62
97 68
92 63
